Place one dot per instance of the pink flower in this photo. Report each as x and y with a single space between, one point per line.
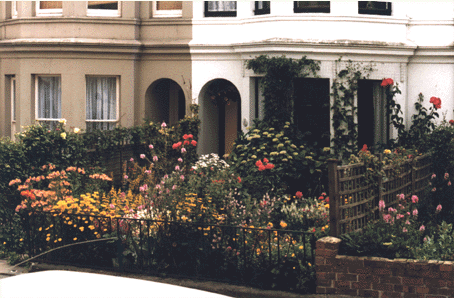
449 183
415 212
446 176
174 187
434 189
155 158
194 143
425 239
177 168
404 230
401 196
158 186
142 156
399 216
407 222
112 206
299 194
381 205
126 177
150 146
433 176
147 172
422 228
180 159
182 177
414 199
438 208
132 159
164 125
387 82
183 150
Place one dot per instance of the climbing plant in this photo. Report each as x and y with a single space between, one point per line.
344 110
278 84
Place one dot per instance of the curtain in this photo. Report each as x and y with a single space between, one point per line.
221 5
49 97
380 115
101 101
169 5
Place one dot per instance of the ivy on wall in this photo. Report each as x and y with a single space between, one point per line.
278 84
344 110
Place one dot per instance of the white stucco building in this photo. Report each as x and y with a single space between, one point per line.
105 63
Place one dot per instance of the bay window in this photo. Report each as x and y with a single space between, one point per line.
168 9
220 8
49 8
103 8
48 99
311 6
374 8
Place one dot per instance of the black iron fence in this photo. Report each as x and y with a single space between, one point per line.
261 257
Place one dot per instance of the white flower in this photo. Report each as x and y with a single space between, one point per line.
63 120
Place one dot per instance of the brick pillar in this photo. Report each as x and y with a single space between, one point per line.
326 249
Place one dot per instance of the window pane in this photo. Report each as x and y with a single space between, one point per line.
49 98
374 7
50 4
221 6
101 102
13 97
169 5
110 5
312 6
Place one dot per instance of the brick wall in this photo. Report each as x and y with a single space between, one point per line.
380 277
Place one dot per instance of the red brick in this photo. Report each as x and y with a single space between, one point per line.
383 287
342 284
331 290
327 253
445 267
409 295
412 281
432 282
331 261
375 262
346 277
448 275
324 283
347 291
369 293
323 268
422 290
432 296
446 292
368 278
320 261
365 270
362 285
391 295
320 290
429 273
450 283
404 289
390 280
382 271
325 275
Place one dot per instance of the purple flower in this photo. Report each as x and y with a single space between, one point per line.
142 156
155 158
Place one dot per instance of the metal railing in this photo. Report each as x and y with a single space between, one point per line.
245 255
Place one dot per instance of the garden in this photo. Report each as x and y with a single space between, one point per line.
252 217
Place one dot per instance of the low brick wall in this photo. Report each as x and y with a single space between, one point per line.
380 277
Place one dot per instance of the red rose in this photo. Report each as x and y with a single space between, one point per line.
436 102
269 166
175 146
194 143
190 136
299 194
327 200
387 82
262 168
265 160
451 122
185 136
364 149
259 163
186 142
239 180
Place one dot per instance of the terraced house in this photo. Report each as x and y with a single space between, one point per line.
100 64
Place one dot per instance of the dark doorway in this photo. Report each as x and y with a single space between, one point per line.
312 110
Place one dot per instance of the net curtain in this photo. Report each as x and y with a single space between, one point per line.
49 97
101 98
221 5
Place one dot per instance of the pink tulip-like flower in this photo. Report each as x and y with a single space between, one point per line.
142 156
147 172
446 176
408 222
164 125
449 183
155 158
401 196
180 159
438 208
433 176
112 206
183 150
150 146
131 160
158 186
182 177
126 177
174 187
425 239
415 212
404 230
422 228
399 216
414 199
166 176
381 205
177 168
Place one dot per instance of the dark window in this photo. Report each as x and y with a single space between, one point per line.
374 7
312 111
110 5
311 6
220 8
262 7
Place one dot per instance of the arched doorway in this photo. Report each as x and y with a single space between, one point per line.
165 102
220 110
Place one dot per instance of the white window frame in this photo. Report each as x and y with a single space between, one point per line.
37 99
117 99
174 13
13 9
13 99
104 12
48 12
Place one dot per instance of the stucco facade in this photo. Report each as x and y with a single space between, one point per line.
163 60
